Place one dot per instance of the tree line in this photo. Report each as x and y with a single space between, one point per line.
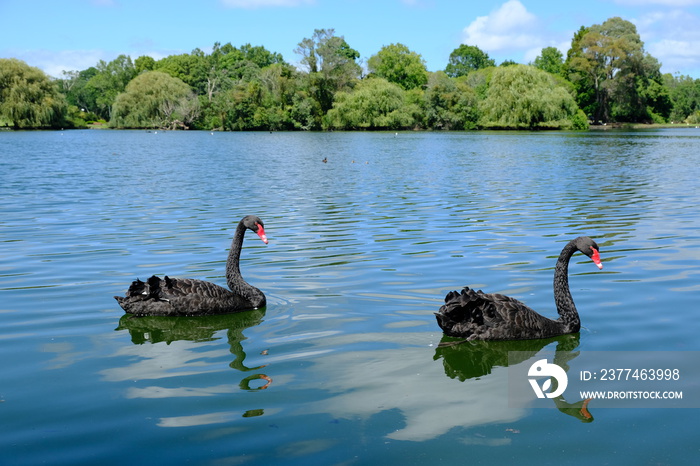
606 76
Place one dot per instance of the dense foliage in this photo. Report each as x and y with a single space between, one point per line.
155 99
375 103
28 99
467 58
399 65
617 80
606 76
524 97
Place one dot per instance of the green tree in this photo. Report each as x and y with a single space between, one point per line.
550 60
242 107
267 101
479 81
155 100
375 103
108 82
191 68
326 51
28 98
244 63
399 65
273 101
684 92
657 99
331 64
610 59
144 63
280 83
467 58
247 88
449 103
74 87
260 56
584 89
523 97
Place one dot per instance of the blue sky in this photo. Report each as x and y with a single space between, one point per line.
57 35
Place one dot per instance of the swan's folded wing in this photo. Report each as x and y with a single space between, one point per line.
188 287
474 314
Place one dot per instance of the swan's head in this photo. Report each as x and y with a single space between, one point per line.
254 223
589 248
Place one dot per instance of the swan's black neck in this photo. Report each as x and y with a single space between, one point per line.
562 294
235 281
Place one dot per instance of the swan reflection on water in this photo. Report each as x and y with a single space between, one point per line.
160 329
464 360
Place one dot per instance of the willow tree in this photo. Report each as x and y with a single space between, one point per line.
155 100
28 98
375 103
523 97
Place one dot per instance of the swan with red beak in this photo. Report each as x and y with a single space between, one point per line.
191 297
476 315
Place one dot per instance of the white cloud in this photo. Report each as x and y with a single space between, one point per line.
677 55
674 23
509 27
54 63
360 393
251 4
672 36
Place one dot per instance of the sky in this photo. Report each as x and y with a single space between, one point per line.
57 35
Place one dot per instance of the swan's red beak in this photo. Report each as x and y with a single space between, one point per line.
261 233
596 258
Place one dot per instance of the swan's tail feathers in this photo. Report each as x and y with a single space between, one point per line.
137 288
451 295
137 292
169 282
154 291
463 313
143 291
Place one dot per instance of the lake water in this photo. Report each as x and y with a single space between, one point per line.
362 251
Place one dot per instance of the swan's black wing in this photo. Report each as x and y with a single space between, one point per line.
476 315
180 297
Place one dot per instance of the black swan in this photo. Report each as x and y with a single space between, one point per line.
190 297
476 315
